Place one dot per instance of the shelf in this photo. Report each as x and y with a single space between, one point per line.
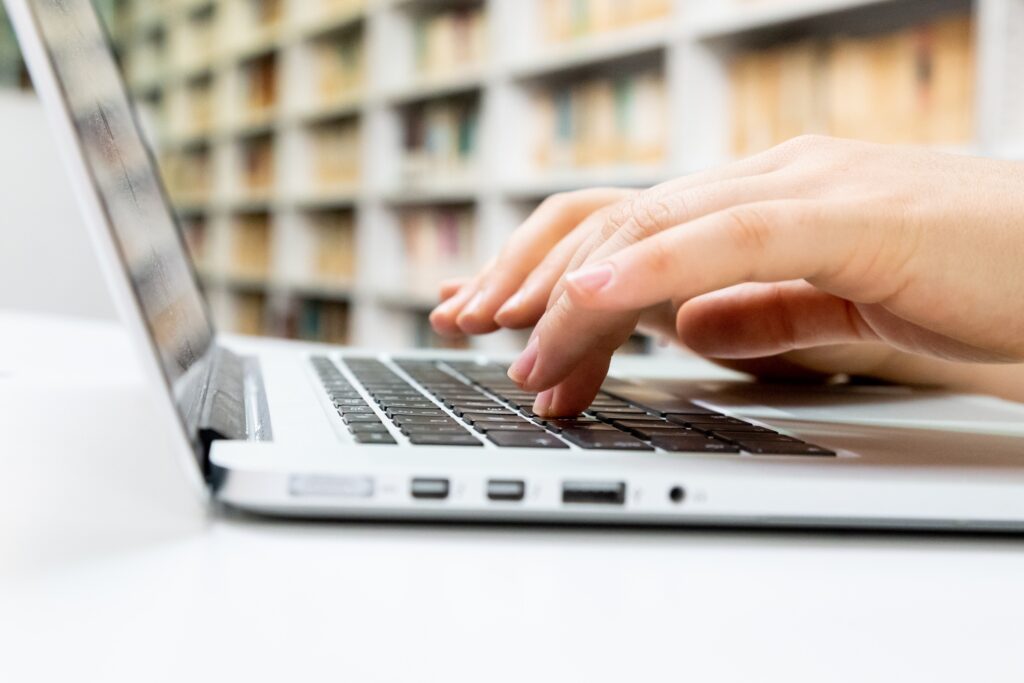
546 184
447 86
438 194
604 47
738 20
509 91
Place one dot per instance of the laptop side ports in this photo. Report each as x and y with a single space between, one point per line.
594 492
429 489
512 490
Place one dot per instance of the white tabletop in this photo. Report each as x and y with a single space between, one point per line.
109 573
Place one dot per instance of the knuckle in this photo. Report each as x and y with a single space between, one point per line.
749 228
639 217
802 145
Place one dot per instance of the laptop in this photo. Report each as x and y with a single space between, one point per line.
294 429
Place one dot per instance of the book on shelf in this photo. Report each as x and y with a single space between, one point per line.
193 41
250 245
256 165
334 253
437 243
258 88
145 61
334 8
450 42
249 313
322 321
336 152
601 121
440 140
199 106
188 174
340 66
566 20
194 230
912 86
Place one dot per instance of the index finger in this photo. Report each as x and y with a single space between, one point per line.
770 241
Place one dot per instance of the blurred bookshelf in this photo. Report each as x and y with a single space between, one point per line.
332 160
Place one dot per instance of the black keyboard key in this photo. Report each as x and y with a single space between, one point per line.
523 426
415 412
426 420
407 405
453 428
766 435
722 421
524 439
558 425
784 448
355 419
362 409
605 440
368 427
648 430
693 444
657 401
435 439
382 438
492 409
492 418
732 435
625 415
339 402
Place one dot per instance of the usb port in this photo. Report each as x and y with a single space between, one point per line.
594 492
506 489
431 489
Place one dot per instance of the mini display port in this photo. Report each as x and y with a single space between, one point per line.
506 489
431 489
594 492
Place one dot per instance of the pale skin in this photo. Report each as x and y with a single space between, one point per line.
816 258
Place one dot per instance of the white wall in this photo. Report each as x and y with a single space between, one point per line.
46 260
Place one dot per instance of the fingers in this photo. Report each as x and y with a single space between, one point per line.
556 217
769 241
569 331
759 320
527 305
450 287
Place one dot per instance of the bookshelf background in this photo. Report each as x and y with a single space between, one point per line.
332 160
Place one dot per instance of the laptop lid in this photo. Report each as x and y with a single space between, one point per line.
69 56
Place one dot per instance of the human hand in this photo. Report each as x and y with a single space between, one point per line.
816 242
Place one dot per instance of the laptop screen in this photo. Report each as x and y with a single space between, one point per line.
122 169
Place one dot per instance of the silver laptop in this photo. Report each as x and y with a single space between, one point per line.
297 429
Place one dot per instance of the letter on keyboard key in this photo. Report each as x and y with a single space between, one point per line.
524 439
612 440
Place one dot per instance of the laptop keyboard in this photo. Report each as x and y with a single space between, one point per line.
463 403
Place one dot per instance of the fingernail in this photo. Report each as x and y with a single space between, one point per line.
472 308
592 279
444 308
542 403
523 366
515 302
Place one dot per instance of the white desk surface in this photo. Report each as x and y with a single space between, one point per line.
107 573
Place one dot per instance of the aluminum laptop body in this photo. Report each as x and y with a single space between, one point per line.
298 429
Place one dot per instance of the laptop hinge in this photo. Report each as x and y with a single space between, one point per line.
223 412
